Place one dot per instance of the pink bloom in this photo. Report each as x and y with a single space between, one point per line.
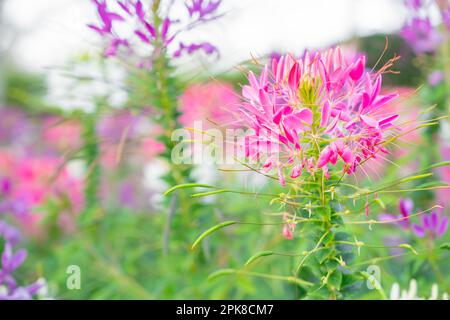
414 4
288 229
62 134
152 148
421 35
33 181
446 16
294 101
435 78
212 103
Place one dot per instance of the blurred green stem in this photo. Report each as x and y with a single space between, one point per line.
92 179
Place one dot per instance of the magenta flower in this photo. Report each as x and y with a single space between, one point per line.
432 225
414 4
202 8
31 183
318 101
136 15
421 35
446 17
211 102
405 207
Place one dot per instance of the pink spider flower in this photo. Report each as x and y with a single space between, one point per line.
211 102
145 31
312 112
288 229
31 182
60 134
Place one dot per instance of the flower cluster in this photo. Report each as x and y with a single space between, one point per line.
419 32
149 29
27 182
315 111
12 260
209 102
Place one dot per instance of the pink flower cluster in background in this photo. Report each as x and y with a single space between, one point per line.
29 181
212 103
320 102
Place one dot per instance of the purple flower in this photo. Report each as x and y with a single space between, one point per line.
421 35
435 78
414 4
206 47
446 17
9 233
202 8
432 225
10 261
134 13
5 186
106 16
405 207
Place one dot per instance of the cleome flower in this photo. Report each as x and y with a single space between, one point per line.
148 30
315 111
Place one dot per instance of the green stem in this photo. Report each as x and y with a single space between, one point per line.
93 168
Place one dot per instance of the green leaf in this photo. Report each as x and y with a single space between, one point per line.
220 273
409 247
335 280
380 203
445 246
420 176
440 164
211 230
187 185
323 254
349 280
210 193
258 255
331 265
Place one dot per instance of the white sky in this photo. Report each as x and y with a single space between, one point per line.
53 31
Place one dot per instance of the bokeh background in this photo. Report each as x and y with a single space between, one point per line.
68 116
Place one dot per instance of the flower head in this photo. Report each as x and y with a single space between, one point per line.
208 102
432 225
421 35
405 207
10 261
314 111
148 31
